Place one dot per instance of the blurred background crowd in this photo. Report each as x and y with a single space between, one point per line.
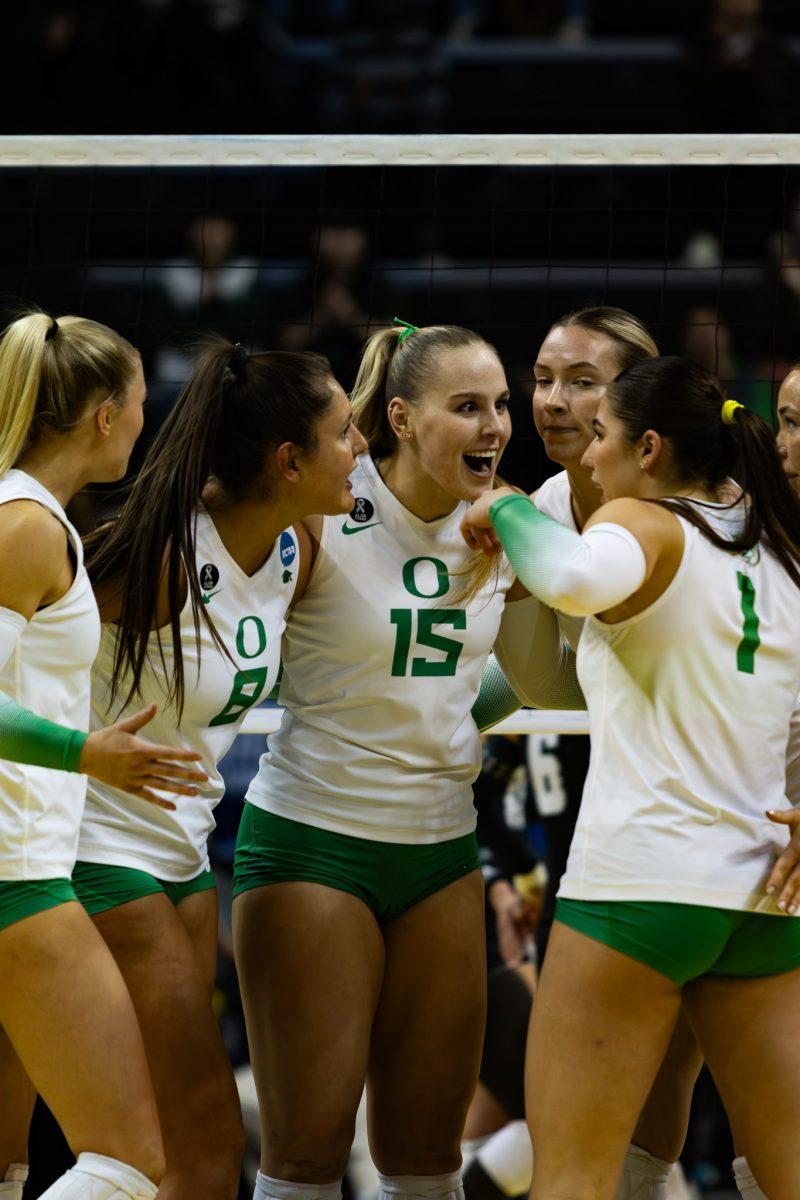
399 66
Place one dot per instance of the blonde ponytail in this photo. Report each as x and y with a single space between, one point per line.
369 396
48 370
22 351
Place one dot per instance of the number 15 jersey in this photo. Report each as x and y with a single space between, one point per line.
382 664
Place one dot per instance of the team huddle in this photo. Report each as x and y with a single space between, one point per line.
359 558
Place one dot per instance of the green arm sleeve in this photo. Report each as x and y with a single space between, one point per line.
496 697
26 738
578 574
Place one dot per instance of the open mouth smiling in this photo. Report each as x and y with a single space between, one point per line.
481 462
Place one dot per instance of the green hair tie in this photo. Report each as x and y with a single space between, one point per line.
407 329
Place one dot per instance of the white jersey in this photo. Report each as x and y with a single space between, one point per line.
689 705
48 673
554 499
249 613
382 664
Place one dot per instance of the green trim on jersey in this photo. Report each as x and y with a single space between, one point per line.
20 898
389 877
685 941
101 886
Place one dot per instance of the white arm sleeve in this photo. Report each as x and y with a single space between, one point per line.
536 662
603 567
577 573
12 625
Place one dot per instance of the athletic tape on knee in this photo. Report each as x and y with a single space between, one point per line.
268 1188
644 1177
745 1181
507 1158
97 1177
421 1187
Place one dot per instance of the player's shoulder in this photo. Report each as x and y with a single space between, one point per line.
35 541
655 526
308 535
30 532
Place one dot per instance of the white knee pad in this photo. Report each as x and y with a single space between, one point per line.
507 1158
14 1182
421 1187
96 1177
745 1181
268 1188
644 1177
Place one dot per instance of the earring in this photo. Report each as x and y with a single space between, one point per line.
407 434
643 465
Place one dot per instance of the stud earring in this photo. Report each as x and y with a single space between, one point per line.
407 434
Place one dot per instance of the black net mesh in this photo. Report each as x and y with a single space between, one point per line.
315 257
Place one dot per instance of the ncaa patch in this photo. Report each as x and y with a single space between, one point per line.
287 549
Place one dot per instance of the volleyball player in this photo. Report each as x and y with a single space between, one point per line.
666 897
195 578
581 354
358 911
71 395
789 426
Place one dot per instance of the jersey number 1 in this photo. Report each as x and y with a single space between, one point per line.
746 652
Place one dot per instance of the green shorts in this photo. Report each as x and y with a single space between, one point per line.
387 876
100 886
684 941
24 897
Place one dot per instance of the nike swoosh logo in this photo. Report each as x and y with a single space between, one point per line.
207 595
359 528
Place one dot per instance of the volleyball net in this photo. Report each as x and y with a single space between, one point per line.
313 242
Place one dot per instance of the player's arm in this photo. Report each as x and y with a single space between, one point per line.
36 542
784 880
308 533
611 561
536 661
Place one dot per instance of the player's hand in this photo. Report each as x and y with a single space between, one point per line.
476 527
515 920
117 756
784 880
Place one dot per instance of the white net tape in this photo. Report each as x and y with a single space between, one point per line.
521 150
267 720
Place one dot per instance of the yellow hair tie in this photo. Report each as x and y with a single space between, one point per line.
728 410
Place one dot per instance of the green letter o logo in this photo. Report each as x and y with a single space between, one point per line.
410 578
